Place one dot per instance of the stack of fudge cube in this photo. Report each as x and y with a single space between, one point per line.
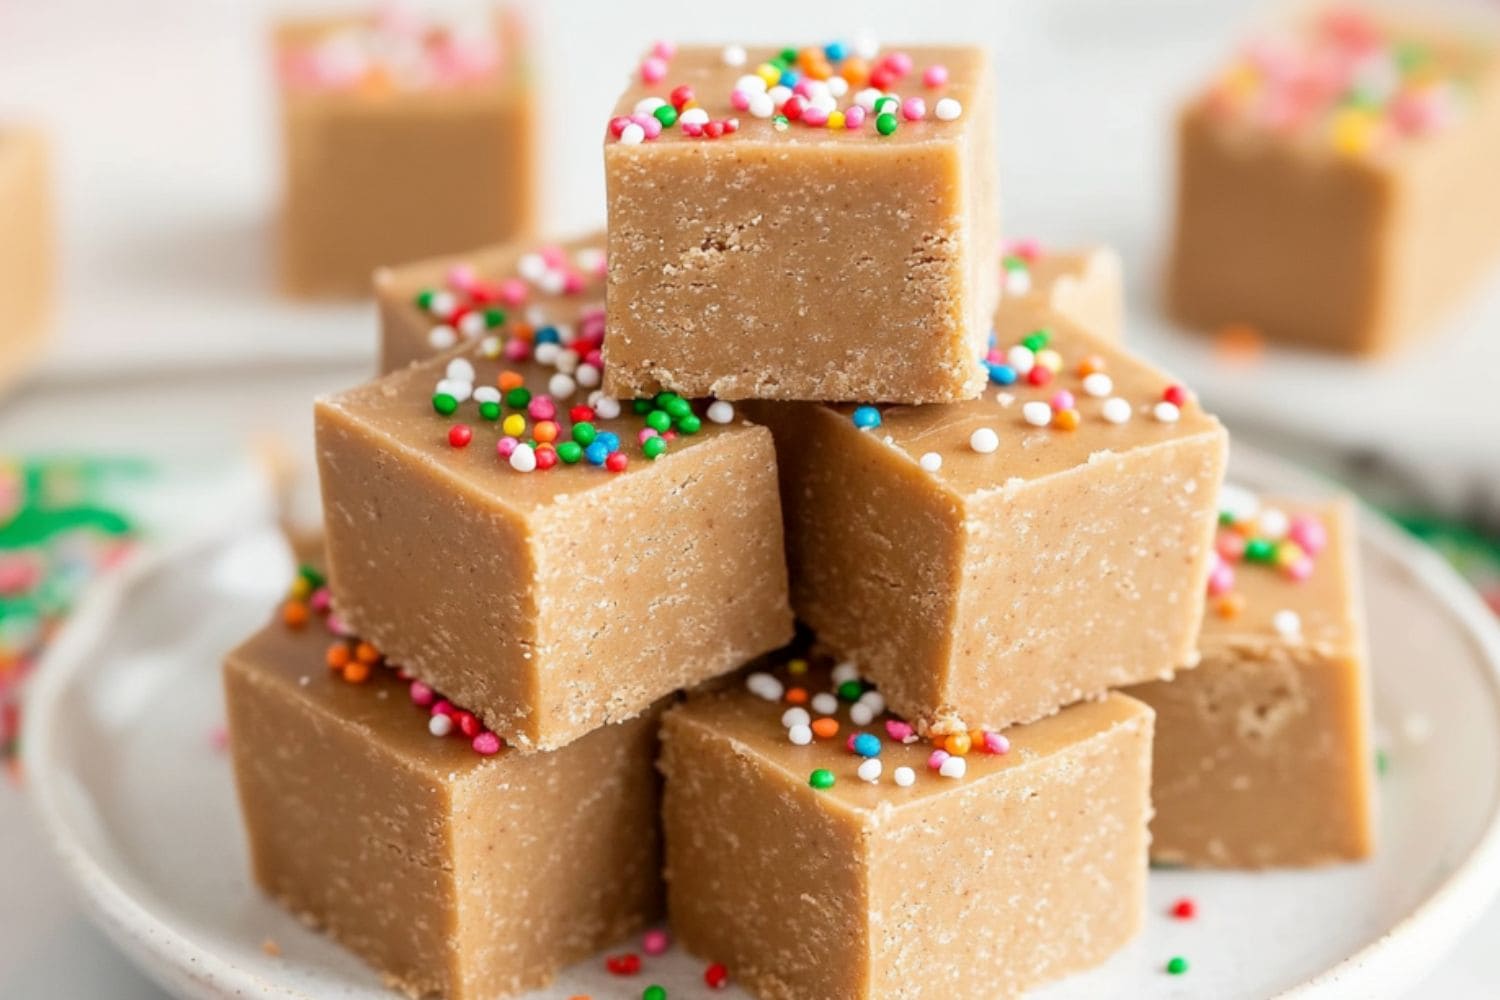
551 686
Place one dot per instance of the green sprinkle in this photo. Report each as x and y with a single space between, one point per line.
689 423
494 318
885 124
653 447
444 403
570 452
666 114
424 298
1177 965
642 405
780 123
885 102
489 411
1259 550
787 55
851 690
821 778
1382 761
1226 517
677 406
658 421
312 576
518 397
654 992
584 433
1037 339
1013 263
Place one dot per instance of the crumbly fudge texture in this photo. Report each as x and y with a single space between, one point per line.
753 254
509 538
1022 860
455 874
1263 754
401 140
26 249
429 306
1337 191
991 561
1085 285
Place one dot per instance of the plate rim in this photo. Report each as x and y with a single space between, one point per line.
1394 960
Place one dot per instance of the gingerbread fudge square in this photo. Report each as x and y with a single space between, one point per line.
25 249
815 223
988 562
1263 754
821 850
455 873
402 138
429 306
550 557
1086 285
1336 188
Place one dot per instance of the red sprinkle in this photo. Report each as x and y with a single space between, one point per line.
716 976
581 414
459 435
1039 375
467 723
681 96
1184 909
616 461
1175 394
627 964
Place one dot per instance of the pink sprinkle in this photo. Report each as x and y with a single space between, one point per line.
218 737
595 358
461 277
512 291
336 625
442 707
935 75
649 124
815 116
739 100
653 69
1063 400
553 256
505 446
655 942
1220 579
854 117
1231 546
541 408
321 600
1309 534
486 743
849 743
517 349
572 283
899 63
898 730
996 743
937 758
664 50
804 88
691 129
645 434
421 694
1028 250
914 109
1299 570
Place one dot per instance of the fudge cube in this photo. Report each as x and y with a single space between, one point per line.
455 872
992 560
1263 753
429 306
555 564
1336 190
1085 285
821 855
25 251
781 237
401 139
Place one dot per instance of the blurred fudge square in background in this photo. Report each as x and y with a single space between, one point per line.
431 305
453 872
26 248
845 865
550 558
988 561
1336 188
1263 753
402 138
802 224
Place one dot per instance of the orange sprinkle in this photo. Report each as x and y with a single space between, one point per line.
976 737
366 653
1239 343
300 589
509 380
337 656
1066 420
958 744
294 614
1229 606
796 696
855 71
357 672
825 728
545 431
524 330
1090 365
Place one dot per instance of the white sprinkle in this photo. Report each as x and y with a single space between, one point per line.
844 672
523 459
440 725
606 408
459 390
1272 523
800 735
694 116
486 394
646 105
750 84
1287 623
866 98
1017 282
442 303
761 105
765 686
861 714
1417 729
734 55
546 354
930 461
954 767
984 441
873 700
1098 385
1116 410
1166 412
866 45
561 386
461 369
904 776
1021 358
590 260
779 94
869 769
587 375
795 716
948 109
632 134
442 337
490 347
531 266
472 324
1004 398
824 703
838 86
823 101
552 283
1239 503
721 411
1037 413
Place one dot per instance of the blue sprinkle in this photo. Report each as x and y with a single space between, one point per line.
1001 374
788 78
866 417
994 339
548 335
835 51
596 452
867 745
610 440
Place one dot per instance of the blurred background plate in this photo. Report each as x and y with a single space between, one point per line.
135 791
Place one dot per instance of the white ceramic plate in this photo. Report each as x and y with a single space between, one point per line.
140 804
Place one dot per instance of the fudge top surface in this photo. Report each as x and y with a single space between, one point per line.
1282 574
716 72
1103 384
1028 267
755 720
494 288
1351 81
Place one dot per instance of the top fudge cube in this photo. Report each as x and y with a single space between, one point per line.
551 564
988 562
1336 186
759 250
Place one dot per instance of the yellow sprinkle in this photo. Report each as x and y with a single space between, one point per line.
835 119
514 425
1288 553
1353 132
768 73
797 667
1049 359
